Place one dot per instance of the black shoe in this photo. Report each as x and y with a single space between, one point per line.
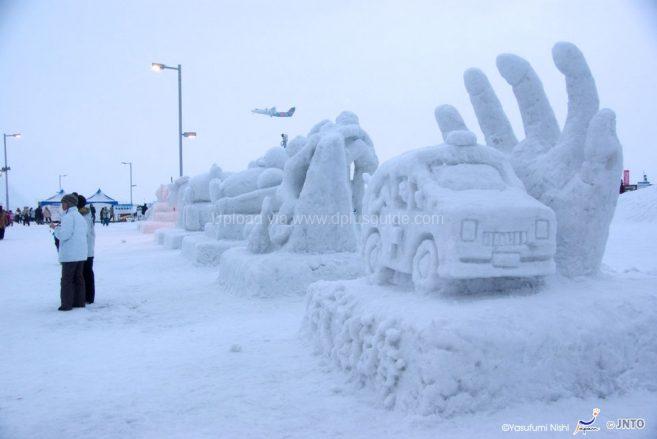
78 306
61 308
89 303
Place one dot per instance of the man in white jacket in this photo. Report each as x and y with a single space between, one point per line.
72 235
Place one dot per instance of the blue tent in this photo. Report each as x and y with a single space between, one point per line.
101 198
54 200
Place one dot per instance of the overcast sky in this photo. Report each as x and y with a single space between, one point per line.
75 78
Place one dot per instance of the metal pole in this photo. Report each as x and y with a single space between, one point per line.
130 184
6 174
60 182
180 130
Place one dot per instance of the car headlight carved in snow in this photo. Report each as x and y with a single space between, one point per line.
468 230
542 229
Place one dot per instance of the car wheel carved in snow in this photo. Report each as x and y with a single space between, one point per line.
372 252
425 266
454 212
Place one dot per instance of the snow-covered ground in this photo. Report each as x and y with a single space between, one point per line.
164 353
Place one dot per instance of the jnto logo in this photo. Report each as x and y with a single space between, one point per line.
585 426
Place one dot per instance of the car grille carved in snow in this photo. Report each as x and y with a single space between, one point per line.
504 238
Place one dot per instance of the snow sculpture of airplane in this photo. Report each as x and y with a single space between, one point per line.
271 112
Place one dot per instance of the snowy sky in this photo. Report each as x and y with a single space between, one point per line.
76 80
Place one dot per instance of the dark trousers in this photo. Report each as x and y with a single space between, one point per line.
89 282
2 233
72 286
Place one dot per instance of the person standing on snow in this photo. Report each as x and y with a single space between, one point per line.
72 235
3 222
88 269
26 216
47 216
104 216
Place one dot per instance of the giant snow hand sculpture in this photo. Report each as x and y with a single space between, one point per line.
574 171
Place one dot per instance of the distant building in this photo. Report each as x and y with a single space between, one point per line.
643 184
627 186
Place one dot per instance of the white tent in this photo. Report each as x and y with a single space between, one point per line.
102 199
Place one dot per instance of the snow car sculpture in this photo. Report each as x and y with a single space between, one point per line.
574 170
454 211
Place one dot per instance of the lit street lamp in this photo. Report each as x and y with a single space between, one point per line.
60 180
6 167
158 67
131 185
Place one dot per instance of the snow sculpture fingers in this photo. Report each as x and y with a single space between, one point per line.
603 153
582 94
537 115
574 171
488 109
449 119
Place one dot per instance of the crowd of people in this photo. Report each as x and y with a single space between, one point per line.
28 215
43 215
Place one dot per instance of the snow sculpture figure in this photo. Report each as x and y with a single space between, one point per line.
454 211
316 180
244 192
160 215
574 171
305 230
160 205
259 241
325 194
198 189
176 193
196 199
162 194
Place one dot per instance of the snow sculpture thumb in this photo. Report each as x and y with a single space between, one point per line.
575 171
323 214
259 241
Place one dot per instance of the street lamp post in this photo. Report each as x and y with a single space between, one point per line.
158 67
131 185
6 167
60 180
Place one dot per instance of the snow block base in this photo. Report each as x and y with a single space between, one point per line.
149 227
172 238
457 355
281 273
159 236
206 251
